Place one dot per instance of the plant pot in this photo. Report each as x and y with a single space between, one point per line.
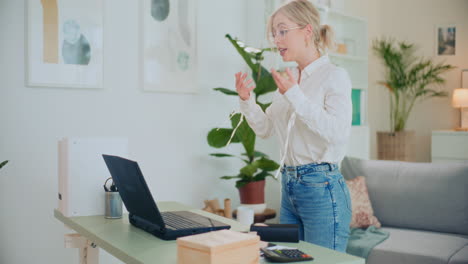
395 145
253 193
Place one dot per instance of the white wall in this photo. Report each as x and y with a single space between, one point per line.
414 21
167 132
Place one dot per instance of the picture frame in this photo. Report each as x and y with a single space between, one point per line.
168 46
64 43
445 40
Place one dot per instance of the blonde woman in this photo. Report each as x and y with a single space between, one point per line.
311 116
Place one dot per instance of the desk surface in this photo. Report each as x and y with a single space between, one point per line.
133 245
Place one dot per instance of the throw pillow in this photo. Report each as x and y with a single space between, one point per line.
363 214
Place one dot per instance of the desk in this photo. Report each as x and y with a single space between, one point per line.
133 245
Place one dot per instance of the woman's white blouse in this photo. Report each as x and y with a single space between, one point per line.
318 111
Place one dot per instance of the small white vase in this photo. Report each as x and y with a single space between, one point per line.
258 208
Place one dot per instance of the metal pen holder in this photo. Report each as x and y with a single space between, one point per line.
113 205
113 202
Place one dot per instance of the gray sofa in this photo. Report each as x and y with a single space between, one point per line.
424 207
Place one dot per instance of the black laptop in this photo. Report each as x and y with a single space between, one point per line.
143 211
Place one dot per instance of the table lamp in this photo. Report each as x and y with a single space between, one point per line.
460 100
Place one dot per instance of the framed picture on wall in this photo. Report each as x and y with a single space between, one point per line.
64 43
446 39
168 46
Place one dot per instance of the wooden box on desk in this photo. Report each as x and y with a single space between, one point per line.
224 246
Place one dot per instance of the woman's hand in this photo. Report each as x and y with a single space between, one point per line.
242 86
284 84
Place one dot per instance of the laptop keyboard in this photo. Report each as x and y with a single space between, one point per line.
179 222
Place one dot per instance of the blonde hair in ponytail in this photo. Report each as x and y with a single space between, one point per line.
303 12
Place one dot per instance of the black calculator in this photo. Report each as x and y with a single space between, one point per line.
285 255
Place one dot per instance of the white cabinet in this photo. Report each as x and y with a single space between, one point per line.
352 55
448 145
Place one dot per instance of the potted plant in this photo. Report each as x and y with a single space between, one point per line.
258 166
409 79
3 163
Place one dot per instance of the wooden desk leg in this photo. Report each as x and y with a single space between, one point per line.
89 252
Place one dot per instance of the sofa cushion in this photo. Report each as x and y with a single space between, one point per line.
460 257
405 246
426 196
363 215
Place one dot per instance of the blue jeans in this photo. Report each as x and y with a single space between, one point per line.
315 197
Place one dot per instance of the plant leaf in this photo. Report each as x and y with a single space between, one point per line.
229 177
3 163
242 183
245 134
225 91
221 155
262 175
237 44
249 170
266 164
219 137
263 106
264 81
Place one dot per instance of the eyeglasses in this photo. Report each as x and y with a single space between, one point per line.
281 33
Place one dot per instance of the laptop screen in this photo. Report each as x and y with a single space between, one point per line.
133 189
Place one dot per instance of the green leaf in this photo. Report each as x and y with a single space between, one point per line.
3 163
262 175
225 91
221 155
262 77
219 137
242 183
263 106
229 177
244 133
249 170
237 44
266 164
264 81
